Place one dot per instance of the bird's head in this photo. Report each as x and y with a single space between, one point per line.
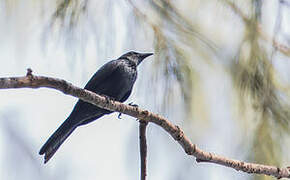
135 56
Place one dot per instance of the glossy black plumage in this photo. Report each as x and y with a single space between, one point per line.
115 79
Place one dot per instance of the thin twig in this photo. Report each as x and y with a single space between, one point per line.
31 81
143 148
284 49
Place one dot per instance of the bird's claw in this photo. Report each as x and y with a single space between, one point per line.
132 104
119 116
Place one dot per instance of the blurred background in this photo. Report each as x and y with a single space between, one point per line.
220 71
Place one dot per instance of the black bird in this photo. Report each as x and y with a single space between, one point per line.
115 80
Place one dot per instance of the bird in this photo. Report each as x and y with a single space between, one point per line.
113 80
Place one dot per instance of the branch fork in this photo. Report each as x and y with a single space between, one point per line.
32 81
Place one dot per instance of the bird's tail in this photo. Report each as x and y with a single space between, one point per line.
56 139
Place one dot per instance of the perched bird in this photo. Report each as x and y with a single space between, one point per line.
115 80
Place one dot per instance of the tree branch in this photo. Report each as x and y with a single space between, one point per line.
143 148
284 49
31 81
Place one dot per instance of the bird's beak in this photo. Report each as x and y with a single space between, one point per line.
145 55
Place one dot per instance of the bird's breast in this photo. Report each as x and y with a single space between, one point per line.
120 82
128 75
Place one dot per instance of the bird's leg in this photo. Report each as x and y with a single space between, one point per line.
130 104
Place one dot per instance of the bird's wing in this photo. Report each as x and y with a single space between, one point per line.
97 84
101 75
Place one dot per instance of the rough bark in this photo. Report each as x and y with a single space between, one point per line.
31 81
143 148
